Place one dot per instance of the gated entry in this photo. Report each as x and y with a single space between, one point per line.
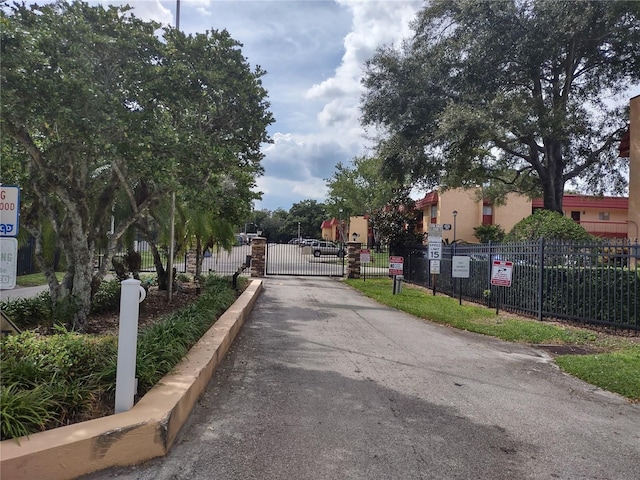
288 259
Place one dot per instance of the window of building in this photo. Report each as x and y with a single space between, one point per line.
604 215
434 214
487 214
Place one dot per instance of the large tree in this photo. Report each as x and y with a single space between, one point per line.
517 92
101 119
361 189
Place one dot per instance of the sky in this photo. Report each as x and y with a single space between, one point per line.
313 52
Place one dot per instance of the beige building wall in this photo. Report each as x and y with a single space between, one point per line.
515 208
634 170
470 211
359 225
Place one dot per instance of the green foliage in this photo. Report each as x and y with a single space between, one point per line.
29 312
55 374
310 214
24 411
507 92
489 233
107 298
49 381
41 311
548 225
398 221
101 118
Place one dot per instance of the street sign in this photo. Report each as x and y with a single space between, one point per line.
434 267
435 230
501 272
435 248
396 265
365 256
8 262
460 266
9 210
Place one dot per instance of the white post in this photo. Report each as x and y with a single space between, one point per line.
131 294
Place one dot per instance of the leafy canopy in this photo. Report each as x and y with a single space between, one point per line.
519 94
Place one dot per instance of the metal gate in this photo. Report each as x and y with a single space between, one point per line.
289 259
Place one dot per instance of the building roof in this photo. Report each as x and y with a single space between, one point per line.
329 223
588 201
429 199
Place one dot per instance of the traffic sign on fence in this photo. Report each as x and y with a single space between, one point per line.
365 255
396 265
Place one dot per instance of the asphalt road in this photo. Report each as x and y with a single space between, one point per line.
323 383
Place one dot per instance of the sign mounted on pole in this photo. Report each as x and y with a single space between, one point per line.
9 210
365 256
396 265
434 267
501 272
460 266
435 241
8 263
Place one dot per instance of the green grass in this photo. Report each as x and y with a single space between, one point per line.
616 368
35 279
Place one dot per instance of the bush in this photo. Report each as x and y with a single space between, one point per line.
39 311
107 298
548 225
55 380
489 233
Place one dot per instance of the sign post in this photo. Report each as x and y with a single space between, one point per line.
460 268
501 274
435 252
396 269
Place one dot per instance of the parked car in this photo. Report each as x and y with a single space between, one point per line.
328 248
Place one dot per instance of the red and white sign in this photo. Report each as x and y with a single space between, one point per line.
396 265
365 256
501 273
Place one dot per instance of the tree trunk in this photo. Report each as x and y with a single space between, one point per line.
552 176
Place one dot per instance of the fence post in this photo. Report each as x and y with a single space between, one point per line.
540 276
131 294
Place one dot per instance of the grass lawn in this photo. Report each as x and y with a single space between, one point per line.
35 279
615 366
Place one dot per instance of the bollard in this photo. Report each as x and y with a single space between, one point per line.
131 294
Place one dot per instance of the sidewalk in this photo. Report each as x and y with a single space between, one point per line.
22 292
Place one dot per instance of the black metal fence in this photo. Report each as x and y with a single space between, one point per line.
595 283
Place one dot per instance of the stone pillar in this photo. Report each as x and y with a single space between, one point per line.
190 266
353 252
258 256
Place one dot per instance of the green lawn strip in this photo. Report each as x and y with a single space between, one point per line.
617 370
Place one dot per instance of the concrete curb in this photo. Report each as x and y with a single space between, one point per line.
146 431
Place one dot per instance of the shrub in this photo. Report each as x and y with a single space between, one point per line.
54 380
107 298
489 233
549 225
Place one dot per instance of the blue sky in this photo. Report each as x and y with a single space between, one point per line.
313 52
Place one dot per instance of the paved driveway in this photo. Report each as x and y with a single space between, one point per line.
323 383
